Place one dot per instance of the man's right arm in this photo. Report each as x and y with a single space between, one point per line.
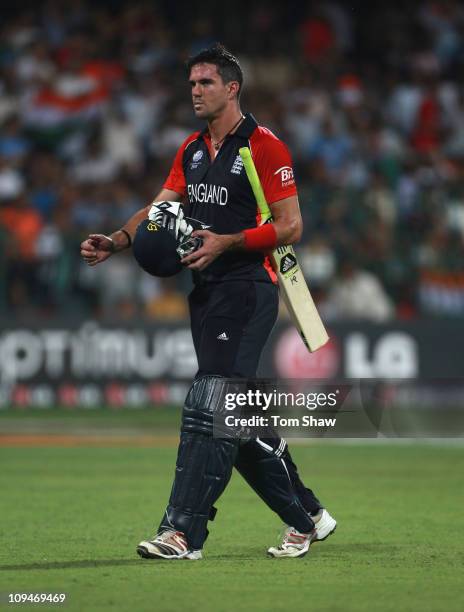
98 247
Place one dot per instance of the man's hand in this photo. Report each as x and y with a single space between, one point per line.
213 246
97 248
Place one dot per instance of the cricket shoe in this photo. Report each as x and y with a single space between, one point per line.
168 544
296 544
325 525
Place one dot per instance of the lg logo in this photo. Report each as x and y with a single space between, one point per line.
393 355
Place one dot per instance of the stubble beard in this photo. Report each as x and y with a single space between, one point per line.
208 115
202 114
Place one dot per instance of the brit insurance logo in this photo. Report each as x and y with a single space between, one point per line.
286 175
196 160
237 166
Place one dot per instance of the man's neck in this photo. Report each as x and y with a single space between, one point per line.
226 123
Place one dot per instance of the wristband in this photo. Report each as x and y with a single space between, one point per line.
128 236
263 238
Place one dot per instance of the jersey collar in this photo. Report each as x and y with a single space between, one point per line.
244 130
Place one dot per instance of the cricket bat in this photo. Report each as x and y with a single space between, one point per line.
293 287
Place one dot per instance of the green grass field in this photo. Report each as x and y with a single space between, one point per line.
71 518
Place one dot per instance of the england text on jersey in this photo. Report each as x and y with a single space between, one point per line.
203 193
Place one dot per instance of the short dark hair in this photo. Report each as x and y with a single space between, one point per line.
228 66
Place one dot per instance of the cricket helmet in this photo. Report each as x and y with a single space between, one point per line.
154 249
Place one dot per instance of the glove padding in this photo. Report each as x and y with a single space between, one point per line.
170 216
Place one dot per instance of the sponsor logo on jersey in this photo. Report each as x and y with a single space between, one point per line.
152 227
286 175
223 336
207 194
237 166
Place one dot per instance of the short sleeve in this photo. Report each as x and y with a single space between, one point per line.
274 166
176 178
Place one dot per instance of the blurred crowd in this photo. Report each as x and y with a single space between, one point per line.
94 103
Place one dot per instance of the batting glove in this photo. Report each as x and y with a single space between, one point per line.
170 216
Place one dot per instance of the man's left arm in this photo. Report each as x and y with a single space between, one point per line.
287 220
287 224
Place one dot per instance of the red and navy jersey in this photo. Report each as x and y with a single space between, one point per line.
219 194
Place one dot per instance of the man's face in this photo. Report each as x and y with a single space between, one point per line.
209 94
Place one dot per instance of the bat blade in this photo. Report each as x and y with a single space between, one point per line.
293 287
298 299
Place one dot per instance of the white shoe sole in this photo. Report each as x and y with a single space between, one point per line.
147 550
278 553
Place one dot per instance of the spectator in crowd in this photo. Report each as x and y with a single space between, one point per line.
356 294
22 224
